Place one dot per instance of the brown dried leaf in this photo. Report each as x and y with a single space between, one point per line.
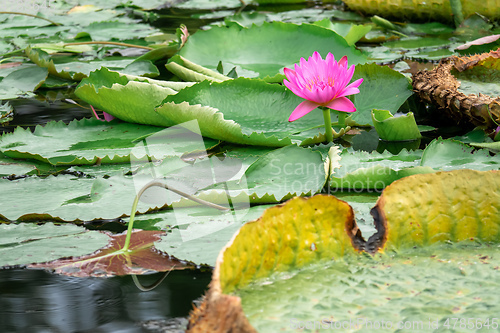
141 258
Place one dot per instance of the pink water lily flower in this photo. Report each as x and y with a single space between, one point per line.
321 83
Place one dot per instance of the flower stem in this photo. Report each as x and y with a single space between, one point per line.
328 125
159 183
342 116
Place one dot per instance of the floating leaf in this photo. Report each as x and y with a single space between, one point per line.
90 141
382 88
279 240
390 128
78 70
27 243
118 30
141 258
449 155
357 294
22 81
351 32
6 113
263 51
458 206
68 198
202 232
9 166
241 111
127 98
423 9
280 292
287 172
374 171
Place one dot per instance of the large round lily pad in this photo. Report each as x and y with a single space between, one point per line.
263 51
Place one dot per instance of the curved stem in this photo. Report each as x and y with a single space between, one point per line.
112 43
158 183
31 15
142 287
328 125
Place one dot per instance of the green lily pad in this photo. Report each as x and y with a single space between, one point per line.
481 78
90 141
207 4
9 166
452 155
374 171
263 51
68 198
351 32
390 128
6 113
79 70
26 243
116 30
287 172
128 98
382 88
492 146
22 81
241 111
207 232
358 294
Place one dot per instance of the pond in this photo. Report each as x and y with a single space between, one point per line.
70 177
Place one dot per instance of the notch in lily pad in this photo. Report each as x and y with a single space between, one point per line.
390 128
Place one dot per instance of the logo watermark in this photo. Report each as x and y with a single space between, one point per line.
178 157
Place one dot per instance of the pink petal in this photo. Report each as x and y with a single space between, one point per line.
348 91
346 77
107 116
296 90
289 73
320 96
302 109
343 61
351 89
356 83
341 104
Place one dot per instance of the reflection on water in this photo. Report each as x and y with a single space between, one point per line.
36 301
31 112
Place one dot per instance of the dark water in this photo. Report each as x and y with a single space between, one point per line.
34 301
40 110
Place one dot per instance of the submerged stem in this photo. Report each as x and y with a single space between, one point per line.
328 125
159 183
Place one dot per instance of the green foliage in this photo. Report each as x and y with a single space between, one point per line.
26 243
390 128
382 88
241 111
22 82
406 287
92 141
247 53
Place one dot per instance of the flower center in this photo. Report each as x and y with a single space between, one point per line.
321 83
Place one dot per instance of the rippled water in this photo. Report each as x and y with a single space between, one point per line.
33 301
